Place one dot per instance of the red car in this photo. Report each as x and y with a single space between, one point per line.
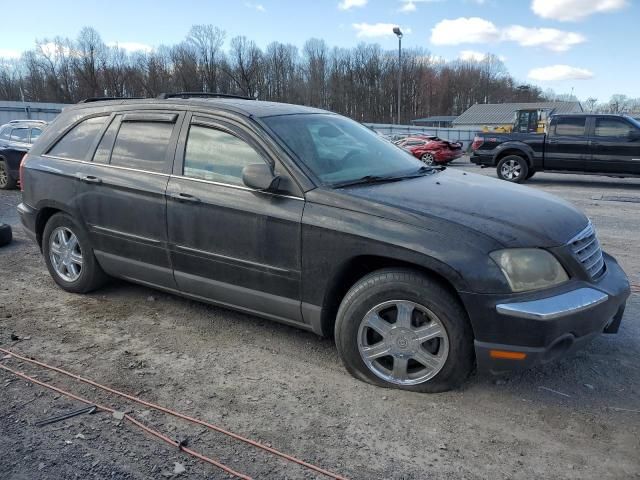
431 150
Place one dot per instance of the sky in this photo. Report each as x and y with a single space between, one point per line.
585 46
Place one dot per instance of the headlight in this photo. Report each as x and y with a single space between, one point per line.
529 268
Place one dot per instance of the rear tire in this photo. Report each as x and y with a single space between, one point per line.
7 182
513 168
69 256
393 320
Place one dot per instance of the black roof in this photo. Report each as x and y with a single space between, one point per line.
254 108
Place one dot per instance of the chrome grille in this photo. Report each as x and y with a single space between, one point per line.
586 248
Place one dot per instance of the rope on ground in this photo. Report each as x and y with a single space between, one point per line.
128 417
178 415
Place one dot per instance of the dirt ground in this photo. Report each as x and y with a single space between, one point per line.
577 418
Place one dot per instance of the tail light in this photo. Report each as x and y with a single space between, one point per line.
24 158
477 142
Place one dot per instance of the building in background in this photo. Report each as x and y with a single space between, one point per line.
440 121
495 114
29 110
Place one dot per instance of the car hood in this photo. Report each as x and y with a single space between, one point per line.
514 215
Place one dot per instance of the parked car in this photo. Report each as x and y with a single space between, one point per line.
575 143
306 217
431 150
16 138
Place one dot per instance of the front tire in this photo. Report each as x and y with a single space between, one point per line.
398 328
69 256
513 168
7 182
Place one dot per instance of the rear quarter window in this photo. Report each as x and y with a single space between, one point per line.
77 141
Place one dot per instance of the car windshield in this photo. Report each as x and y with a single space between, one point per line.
338 150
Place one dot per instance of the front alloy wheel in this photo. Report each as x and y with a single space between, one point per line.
401 328
402 342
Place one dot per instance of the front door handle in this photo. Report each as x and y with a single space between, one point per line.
184 197
90 179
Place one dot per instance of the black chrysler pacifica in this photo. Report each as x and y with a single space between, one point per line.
308 218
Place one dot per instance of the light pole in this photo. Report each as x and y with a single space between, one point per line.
398 33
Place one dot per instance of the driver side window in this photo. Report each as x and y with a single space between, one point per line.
217 156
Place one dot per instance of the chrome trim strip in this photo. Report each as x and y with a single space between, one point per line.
107 165
585 232
182 177
230 185
554 307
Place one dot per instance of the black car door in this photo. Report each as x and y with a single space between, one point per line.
567 144
229 243
615 146
121 194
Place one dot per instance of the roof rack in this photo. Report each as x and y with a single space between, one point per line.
165 96
100 99
27 120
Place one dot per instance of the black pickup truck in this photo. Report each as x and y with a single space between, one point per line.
575 143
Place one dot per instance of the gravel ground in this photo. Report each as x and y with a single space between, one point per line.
577 418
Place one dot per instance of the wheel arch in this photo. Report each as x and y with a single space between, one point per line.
45 212
519 152
354 269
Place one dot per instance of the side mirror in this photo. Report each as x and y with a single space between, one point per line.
260 177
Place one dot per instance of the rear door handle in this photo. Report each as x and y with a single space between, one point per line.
90 179
184 197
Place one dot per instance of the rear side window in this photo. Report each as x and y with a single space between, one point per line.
35 133
571 126
612 127
20 135
217 156
76 143
142 145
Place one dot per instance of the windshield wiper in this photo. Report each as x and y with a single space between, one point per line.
368 179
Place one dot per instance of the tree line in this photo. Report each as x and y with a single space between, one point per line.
360 82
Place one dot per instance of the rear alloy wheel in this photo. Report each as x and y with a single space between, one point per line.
6 182
428 159
399 328
513 168
69 256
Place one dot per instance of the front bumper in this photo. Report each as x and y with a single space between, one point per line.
536 328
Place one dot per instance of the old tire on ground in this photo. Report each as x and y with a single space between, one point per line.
69 256
7 182
513 168
399 328
6 234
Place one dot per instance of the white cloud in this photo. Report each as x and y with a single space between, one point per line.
475 56
407 7
372 30
255 6
131 47
472 56
550 38
50 49
9 53
478 30
464 30
559 72
349 4
573 10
